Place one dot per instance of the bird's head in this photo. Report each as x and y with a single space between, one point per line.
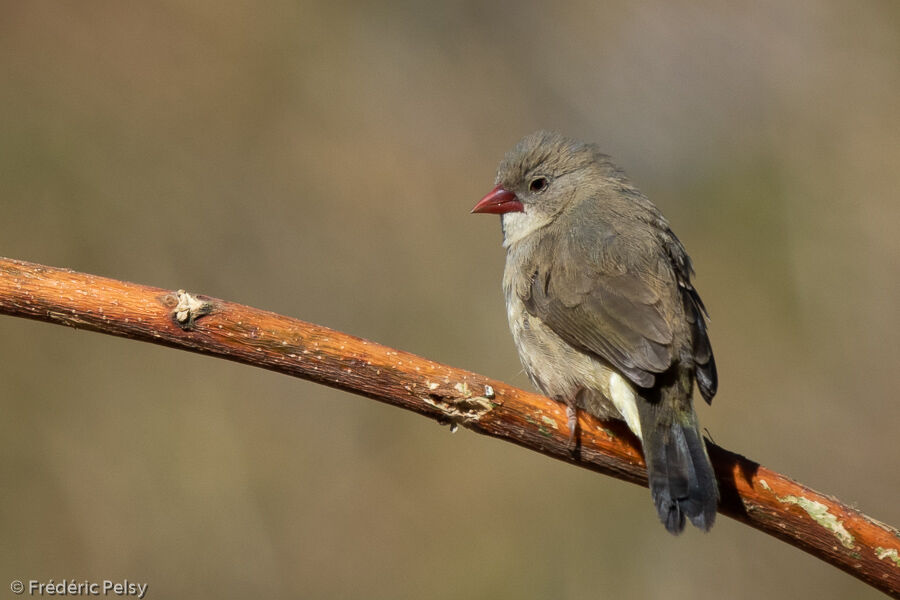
536 181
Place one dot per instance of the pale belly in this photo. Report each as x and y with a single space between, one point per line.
562 372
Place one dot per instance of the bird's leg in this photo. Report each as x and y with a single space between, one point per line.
572 417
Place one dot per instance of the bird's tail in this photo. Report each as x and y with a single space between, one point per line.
682 482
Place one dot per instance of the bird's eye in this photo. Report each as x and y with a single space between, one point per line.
538 184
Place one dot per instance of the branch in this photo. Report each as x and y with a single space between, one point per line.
751 494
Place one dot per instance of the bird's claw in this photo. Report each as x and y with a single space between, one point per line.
572 418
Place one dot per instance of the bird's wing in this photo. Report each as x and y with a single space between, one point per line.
695 314
614 304
704 361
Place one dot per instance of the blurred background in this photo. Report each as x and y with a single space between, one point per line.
319 159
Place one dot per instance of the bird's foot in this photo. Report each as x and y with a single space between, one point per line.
572 418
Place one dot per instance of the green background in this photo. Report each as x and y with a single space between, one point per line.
320 160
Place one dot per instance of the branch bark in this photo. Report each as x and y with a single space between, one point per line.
751 494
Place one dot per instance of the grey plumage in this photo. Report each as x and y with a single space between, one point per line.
602 310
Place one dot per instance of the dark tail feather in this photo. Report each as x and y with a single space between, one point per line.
682 482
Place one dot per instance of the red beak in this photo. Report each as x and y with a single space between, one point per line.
497 202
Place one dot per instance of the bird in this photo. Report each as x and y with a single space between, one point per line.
603 313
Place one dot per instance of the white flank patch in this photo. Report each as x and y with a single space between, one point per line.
623 398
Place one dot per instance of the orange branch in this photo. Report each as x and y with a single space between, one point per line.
751 494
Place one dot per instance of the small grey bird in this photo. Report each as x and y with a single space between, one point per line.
602 310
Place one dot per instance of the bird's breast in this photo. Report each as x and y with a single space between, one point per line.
559 370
